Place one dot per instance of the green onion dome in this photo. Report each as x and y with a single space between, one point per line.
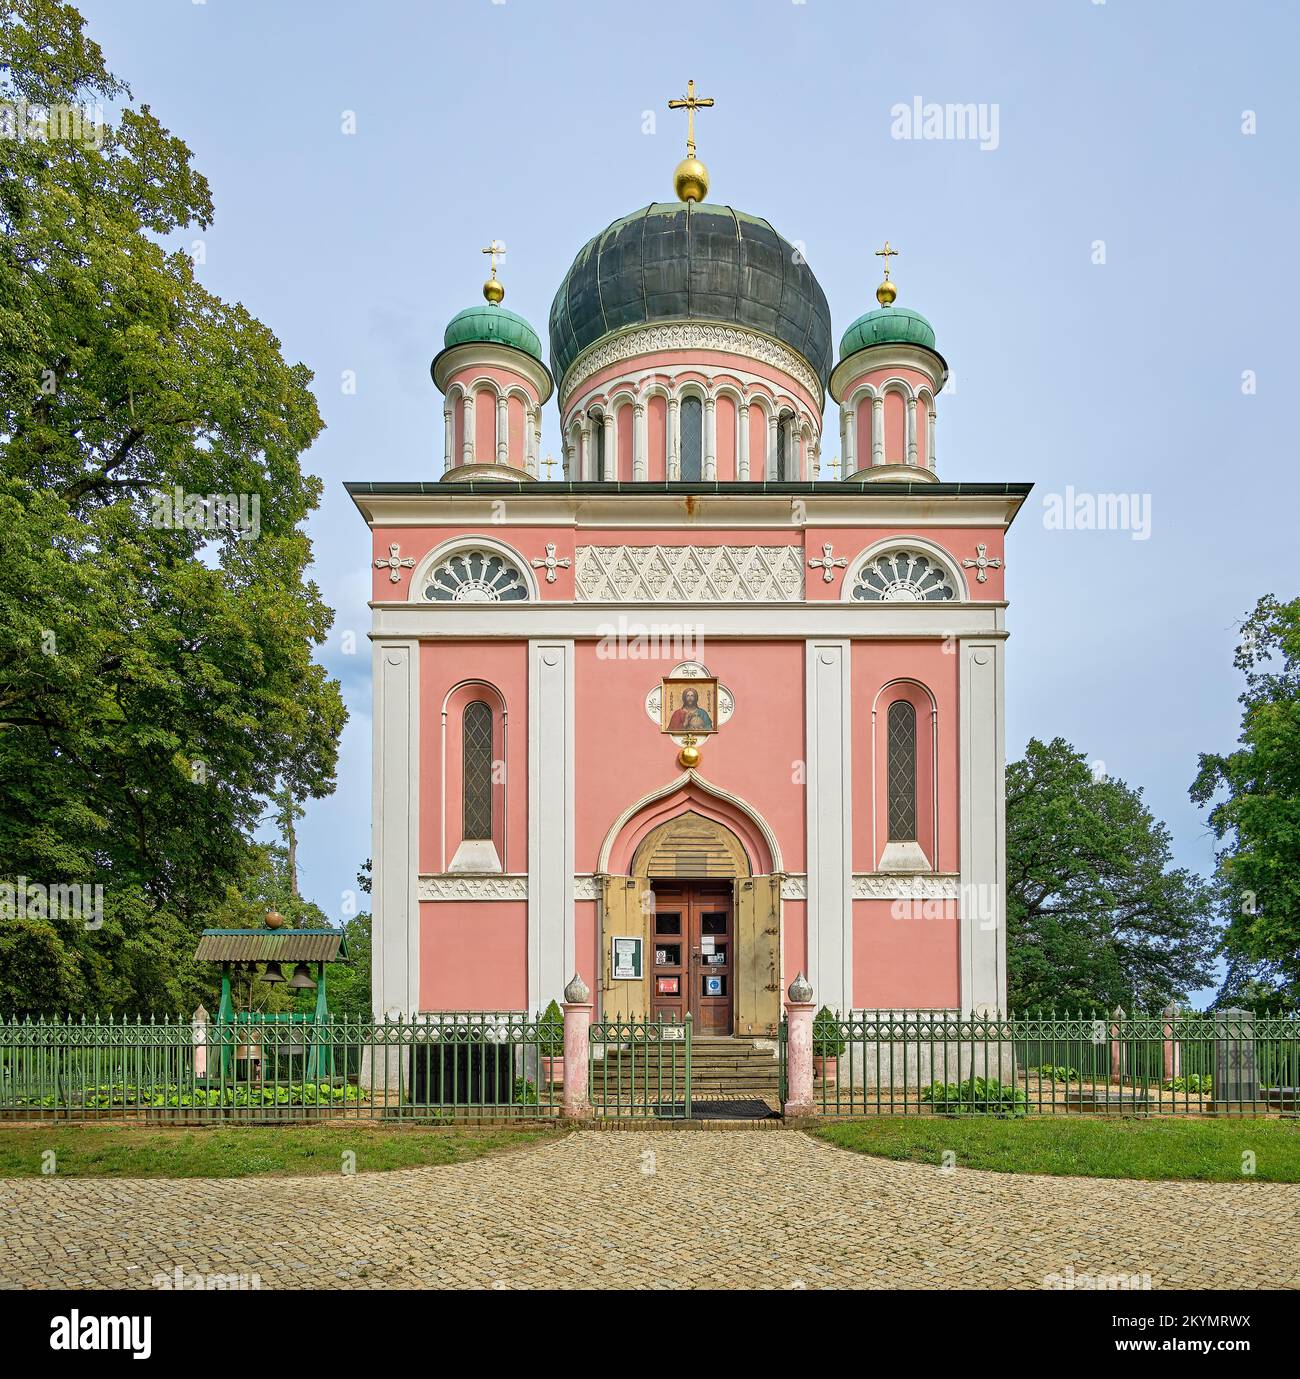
490 324
887 325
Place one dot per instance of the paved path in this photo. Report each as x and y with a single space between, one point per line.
651 1210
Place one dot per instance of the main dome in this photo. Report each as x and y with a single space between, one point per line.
674 261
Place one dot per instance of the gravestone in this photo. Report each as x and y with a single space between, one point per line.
1235 1079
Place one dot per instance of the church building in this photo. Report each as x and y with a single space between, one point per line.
711 709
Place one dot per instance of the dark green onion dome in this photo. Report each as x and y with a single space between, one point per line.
493 325
887 325
688 261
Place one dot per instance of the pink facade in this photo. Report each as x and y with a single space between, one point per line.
840 646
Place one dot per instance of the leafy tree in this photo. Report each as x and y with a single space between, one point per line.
1096 916
156 672
1254 799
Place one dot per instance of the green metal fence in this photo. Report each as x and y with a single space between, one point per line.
939 1063
640 1067
478 1065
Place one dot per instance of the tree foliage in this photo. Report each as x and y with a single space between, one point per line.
156 678
1253 795
1096 916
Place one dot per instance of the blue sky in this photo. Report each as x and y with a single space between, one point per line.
1119 122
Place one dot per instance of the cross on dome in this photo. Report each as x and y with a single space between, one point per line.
691 179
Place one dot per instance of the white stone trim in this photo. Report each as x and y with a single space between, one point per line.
551 943
870 885
395 827
484 353
470 887
875 358
828 701
676 574
695 336
445 887
677 783
981 765
794 621
447 505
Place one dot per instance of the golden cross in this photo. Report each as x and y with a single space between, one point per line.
549 462
886 253
690 103
496 250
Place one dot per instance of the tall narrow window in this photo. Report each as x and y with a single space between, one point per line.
597 447
692 424
902 772
476 772
782 449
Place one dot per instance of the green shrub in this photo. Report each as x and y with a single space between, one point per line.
828 1039
976 1096
550 1031
525 1092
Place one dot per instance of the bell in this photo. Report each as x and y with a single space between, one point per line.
273 973
301 979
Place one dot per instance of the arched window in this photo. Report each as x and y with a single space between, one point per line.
903 577
692 424
787 447
902 772
476 770
473 575
597 459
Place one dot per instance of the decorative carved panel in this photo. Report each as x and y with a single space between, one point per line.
689 574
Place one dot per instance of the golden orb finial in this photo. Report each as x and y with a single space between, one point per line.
886 293
691 180
689 756
492 289
691 177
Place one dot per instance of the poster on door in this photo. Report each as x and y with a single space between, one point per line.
625 959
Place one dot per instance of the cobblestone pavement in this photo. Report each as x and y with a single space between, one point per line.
651 1210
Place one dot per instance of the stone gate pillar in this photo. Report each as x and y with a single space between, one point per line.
799 1048
577 1047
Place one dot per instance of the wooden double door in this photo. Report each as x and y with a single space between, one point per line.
693 954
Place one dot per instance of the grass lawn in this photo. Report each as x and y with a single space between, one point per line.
1208 1151
117 1151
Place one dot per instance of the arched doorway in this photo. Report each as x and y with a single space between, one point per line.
708 925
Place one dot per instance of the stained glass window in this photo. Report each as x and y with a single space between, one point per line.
902 772
476 768
692 424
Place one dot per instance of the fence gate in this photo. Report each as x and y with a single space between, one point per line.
640 1067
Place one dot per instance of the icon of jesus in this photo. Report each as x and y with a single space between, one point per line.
690 718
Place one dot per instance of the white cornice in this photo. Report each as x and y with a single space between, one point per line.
472 352
855 621
874 357
449 506
707 337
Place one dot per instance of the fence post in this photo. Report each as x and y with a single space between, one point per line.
1173 1060
577 1048
799 1048
1116 1066
199 1036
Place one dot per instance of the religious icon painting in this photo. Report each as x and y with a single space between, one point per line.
689 706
